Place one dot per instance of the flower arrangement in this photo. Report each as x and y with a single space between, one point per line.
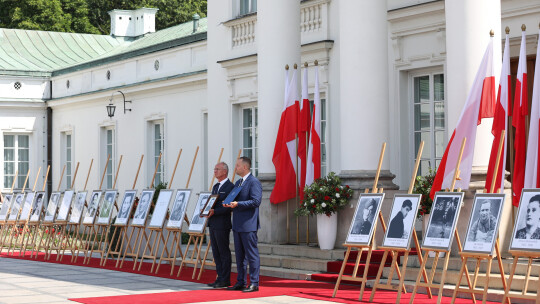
325 195
423 186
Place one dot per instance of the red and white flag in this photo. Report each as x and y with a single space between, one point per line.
518 121
303 132
480 103
314 148
533 163
284 157
500 123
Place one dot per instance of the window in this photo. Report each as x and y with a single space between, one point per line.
108 141
324 158
16 159
68 159
247 7
429 119
157 147
249 137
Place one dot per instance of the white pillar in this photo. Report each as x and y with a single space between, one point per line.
363 80
467 35
278 44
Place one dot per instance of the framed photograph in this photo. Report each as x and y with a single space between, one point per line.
8 198
179 209
27 206
93 206
443 220
526 234
37 207
125 209
402 218
198 223
365 218
161 208
52 207
67 200
78 207
105 211
483 226
16 207
139 219
209 205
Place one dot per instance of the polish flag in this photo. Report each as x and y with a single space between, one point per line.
533 163
480 104
518 121
303 132
284 157
314 149
500 122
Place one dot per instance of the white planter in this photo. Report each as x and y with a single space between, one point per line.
326 231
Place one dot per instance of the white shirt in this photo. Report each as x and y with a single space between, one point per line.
245 177
222 182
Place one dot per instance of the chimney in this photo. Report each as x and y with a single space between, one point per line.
133 23
196 18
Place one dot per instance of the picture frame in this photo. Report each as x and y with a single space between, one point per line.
106 209
442 220
401 223
52 207
27 206
178 211
198 223
18 202
141 212
526 231
78 207
93 207
65 206
124 212
37 207
6 205
483 226
209 204
161 208
364 218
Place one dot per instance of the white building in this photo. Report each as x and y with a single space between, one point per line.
395 71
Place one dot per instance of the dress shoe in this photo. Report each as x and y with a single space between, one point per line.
212 284
236 287
221 284
251 288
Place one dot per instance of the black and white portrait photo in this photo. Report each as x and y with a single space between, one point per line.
27 206
139 219
365 216
209 205
65 206
37 207
78 206
443 219
105 211
526 235
5 206
484 223
179 208
16 207
52 206
93 206
125 209
197 222
402 218
161 208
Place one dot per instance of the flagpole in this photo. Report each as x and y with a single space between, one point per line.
297 177
288 219
307 152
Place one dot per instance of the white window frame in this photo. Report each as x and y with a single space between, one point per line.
160 174
21 176
237 8
254 130
150 122
68 161
108 183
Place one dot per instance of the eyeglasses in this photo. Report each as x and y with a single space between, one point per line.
217 169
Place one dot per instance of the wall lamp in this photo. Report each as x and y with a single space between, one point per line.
111 108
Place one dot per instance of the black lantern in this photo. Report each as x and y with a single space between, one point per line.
110 109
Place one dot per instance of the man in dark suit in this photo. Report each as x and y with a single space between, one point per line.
397 228
245 225
219 223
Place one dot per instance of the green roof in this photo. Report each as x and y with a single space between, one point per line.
41 53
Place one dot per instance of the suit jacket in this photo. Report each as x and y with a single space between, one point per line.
221 219
246 214
396 228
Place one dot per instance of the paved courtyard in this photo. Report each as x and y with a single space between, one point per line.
23 281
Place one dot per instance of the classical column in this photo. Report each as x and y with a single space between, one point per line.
363 84
278 44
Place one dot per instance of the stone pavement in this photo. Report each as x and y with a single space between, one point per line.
23 281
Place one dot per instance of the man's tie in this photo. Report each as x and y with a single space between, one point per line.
241 182
215 189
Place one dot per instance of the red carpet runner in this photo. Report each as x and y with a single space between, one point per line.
270 286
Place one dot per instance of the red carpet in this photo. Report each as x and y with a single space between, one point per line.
270 286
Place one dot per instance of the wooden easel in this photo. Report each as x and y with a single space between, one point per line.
13 223
72 229
437 251
523 295
4 226
482 256
362 248
122 234
140 228
158 238
396 251
33 227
